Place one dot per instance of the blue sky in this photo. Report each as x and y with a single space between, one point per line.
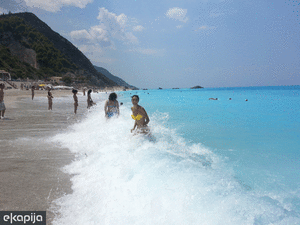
169 44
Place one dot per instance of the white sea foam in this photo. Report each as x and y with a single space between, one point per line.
123 179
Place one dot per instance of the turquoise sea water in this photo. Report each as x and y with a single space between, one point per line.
213 162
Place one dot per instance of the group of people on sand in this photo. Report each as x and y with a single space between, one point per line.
139 114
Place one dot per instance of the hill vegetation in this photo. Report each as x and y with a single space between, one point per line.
30 48
50 61
116 79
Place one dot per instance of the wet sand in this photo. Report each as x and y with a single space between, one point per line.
11 95
30 164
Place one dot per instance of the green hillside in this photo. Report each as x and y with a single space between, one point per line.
51 62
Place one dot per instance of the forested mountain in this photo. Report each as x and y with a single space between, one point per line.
116 79
30 48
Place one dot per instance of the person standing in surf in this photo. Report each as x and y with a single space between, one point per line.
75 100
49 100
140 117
32 92
111 106
2 105
90 102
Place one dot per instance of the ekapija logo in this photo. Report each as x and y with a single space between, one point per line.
22 217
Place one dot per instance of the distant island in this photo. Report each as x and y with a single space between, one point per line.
196 87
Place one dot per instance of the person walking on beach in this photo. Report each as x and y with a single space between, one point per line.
32 92
90 102
140 117
75 100
49 100
2 105
111 106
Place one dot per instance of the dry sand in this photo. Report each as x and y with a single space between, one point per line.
30 168
11 95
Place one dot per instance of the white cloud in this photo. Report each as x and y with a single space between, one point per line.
138 28
179 26
96 35
56 5
80 35
96 54
148 51
205 28
177 14
131 38
111 27
13 6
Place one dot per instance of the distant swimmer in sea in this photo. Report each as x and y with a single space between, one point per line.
49 96
140 117
213 99
90 102
32 92
2 105
111 106
75 100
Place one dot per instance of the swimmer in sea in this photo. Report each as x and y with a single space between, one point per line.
140 117
213 99
111 106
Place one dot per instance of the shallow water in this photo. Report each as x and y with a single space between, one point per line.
213 162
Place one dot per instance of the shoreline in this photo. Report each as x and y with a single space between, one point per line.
31 167
11 95
30 164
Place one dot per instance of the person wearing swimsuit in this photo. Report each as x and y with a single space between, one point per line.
49 100
140 117
90 102
111 106
75 100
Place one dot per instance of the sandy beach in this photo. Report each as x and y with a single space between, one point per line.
30 165
11 95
